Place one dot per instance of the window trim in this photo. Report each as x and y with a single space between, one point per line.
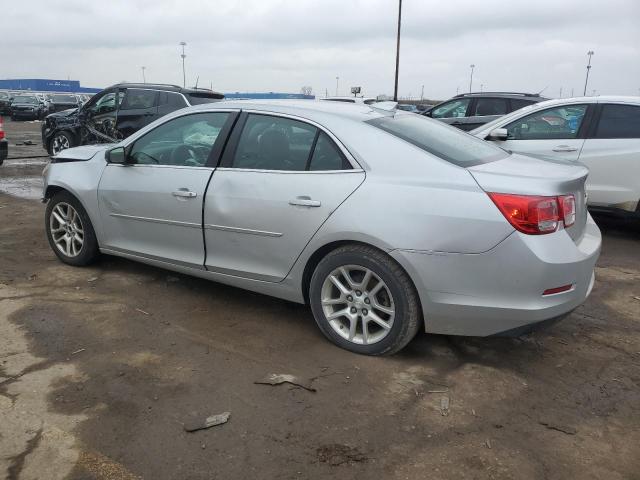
226 162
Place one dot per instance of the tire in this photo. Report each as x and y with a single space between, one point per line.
397 295
60 141
76 246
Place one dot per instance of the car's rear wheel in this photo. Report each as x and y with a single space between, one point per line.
60 141
364 301
69 230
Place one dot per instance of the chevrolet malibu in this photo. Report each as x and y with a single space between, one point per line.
384 222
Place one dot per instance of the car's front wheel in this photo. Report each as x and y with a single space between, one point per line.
60 141
69 230
364 301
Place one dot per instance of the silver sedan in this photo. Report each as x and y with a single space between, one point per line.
384 222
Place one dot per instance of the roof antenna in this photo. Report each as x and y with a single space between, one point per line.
197 80
542 90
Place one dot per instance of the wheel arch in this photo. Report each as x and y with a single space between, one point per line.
71 133
322 251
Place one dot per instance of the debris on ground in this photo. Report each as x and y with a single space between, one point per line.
142 311
78 351
280 378
487 443
212 421
337 454
92 279
444 406
560 428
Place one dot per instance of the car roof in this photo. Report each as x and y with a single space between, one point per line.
309 109
166 87
499 94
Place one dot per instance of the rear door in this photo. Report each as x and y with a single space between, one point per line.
554 133
152 206
280 179
138 108
612 153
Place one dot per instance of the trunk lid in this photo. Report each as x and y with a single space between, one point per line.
524 175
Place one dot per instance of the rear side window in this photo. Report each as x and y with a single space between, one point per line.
517 104
447 143
135 99
327 155
490 106
619 121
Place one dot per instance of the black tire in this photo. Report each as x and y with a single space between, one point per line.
408 317
67 135
89 250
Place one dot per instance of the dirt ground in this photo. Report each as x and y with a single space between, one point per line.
101 367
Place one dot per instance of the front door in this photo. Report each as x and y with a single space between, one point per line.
152 206
553 134
277 185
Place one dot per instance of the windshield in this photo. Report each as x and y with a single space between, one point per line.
24 99
64 99
443 141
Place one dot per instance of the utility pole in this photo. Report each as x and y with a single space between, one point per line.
337 82
422 94
183 56
590 54
471 79
560 92
457 90
481 87
395 89
572 91
144 79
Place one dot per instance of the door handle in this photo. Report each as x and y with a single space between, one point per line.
305 201
184 193
564 148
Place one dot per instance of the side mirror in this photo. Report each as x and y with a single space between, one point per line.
116 155
498 134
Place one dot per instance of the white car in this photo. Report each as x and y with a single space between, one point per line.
602 133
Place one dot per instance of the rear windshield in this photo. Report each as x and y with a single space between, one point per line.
443 141
198 98
65 99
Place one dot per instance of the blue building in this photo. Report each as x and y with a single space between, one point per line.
46 85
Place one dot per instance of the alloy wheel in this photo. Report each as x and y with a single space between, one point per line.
60 142
66 229
358 304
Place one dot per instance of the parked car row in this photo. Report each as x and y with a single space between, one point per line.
36 105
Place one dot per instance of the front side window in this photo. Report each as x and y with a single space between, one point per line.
443 141
135 99
490 106
104 104
619 121
554 123
184 141
453 109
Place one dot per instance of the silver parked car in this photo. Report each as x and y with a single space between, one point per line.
385 222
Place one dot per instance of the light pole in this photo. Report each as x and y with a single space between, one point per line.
422 93
471 79
337 83
395 89
183 56
590 54
481 87
144 79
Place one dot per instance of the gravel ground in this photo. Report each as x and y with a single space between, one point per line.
101 368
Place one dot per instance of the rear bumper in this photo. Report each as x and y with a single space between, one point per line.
501 290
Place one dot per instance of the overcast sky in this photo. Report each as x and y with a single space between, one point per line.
281 45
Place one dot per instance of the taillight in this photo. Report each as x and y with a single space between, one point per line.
536 215
568 209
1 129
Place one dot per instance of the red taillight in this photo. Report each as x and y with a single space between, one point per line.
568 209
529 214
1 129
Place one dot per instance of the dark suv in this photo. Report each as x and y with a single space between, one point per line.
117 112
5 103
470 110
